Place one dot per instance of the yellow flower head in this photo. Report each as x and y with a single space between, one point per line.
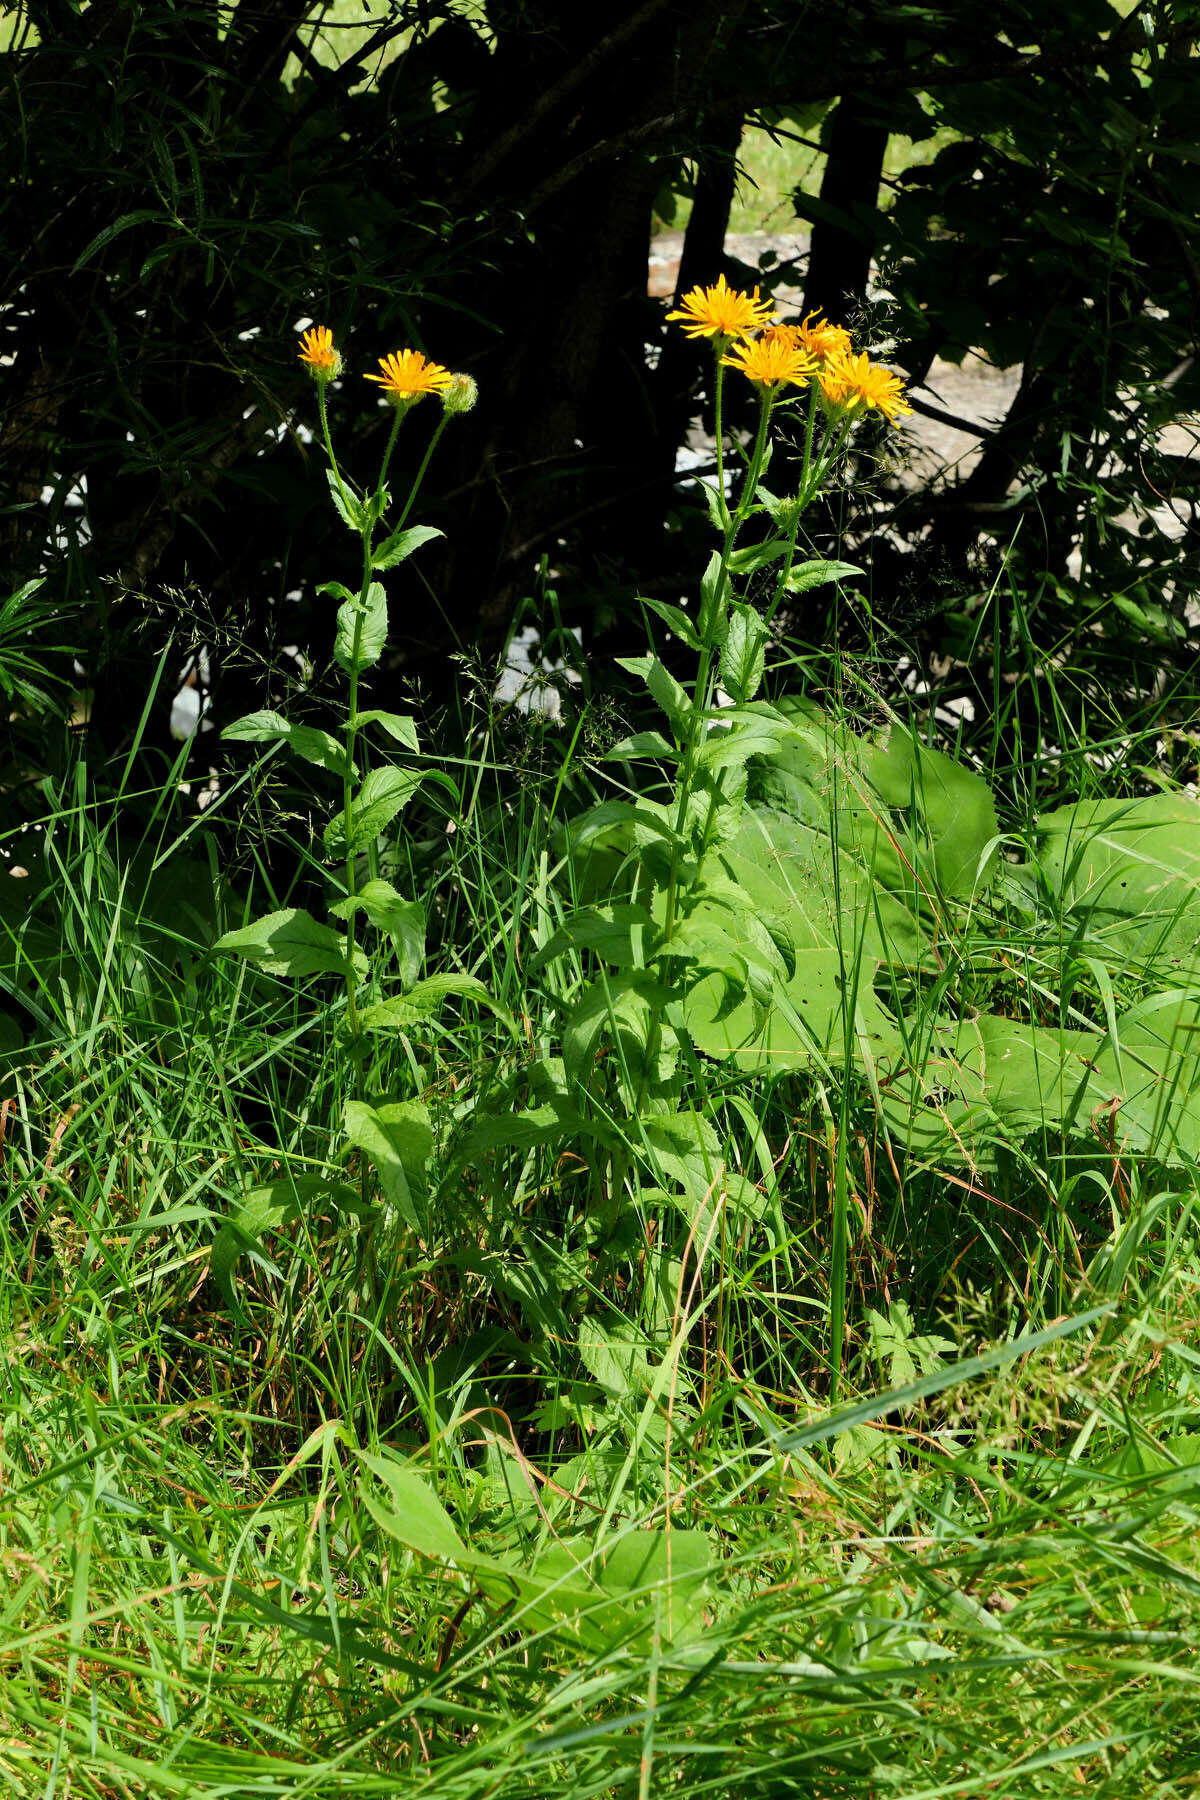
820 338
771 360
722 312
407 375
319 352
852 382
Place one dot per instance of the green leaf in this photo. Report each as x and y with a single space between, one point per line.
400 726
666 1570
347 506
714 591
362 628
1131 870
743 655
269 1208
816 574
403 920
951 816
425 1001
718 506
676 619
401 544
307 741
384 793
621 934
626 1007
398 1138
662 685
127 222
417 1519
291 942
757 556
642 743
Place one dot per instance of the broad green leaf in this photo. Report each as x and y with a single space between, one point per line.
417 1519
383 794
557 1596
621 934
714 593
1131 870
816 574
292 942
666 1570
401 544
757 556
663 687
307 741
718 506
403 920
743 654
399 726
678 621
398 1138
642 743
362 628
951 813
425 1001
625 1007
346 504
614 1355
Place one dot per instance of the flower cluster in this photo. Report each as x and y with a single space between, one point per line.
748 336
407 375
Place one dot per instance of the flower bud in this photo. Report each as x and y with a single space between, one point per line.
460 396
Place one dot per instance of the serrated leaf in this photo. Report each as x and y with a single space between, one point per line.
642 743
403 920
401 544
718 506
621 934
714 591
398 1137
362 627
757 556
424 1002
383 794
292 943
743 655
346 505
678 621
815 574
308 741
400 726
662 685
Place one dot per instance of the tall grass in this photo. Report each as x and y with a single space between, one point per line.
976 1574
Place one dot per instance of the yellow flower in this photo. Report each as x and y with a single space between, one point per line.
820 338
771 360
319 352
850 382
722 312
407 375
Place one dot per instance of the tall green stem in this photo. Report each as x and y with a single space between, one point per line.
420 475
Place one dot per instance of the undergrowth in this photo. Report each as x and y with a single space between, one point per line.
655 1266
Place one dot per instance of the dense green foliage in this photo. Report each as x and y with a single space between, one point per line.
665 1271
649 1248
